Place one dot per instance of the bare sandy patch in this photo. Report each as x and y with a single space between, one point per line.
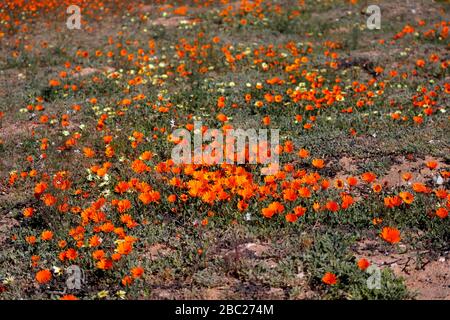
6 223
156 251
421 173
429 279
90 71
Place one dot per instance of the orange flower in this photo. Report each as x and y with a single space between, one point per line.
420 188
28 212
137 272
88 152
107 227
289 195
407 176
124 248
122 187
347 201
420 63
363 264
432 165
40 188
71 254
107 139
98 254
304 192
318 163
123 205
376 187
391 202
329 278
35 260
274 207
316 206
376 221
299 211
441 193
109 151
368 177
139 166
442 213
116 256
291 217
31 240
49 200
221 117
146 155
47 235
352 181
95 241
242 205
43 276
127 280
104 264
303 153
53 83
418 119
406 197
267 212
391 235
339 183
332 206
148 197
68 297
182 11
288 147
172 198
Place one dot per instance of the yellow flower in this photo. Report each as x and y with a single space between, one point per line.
102 294
121 294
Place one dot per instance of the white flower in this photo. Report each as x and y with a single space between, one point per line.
438 179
